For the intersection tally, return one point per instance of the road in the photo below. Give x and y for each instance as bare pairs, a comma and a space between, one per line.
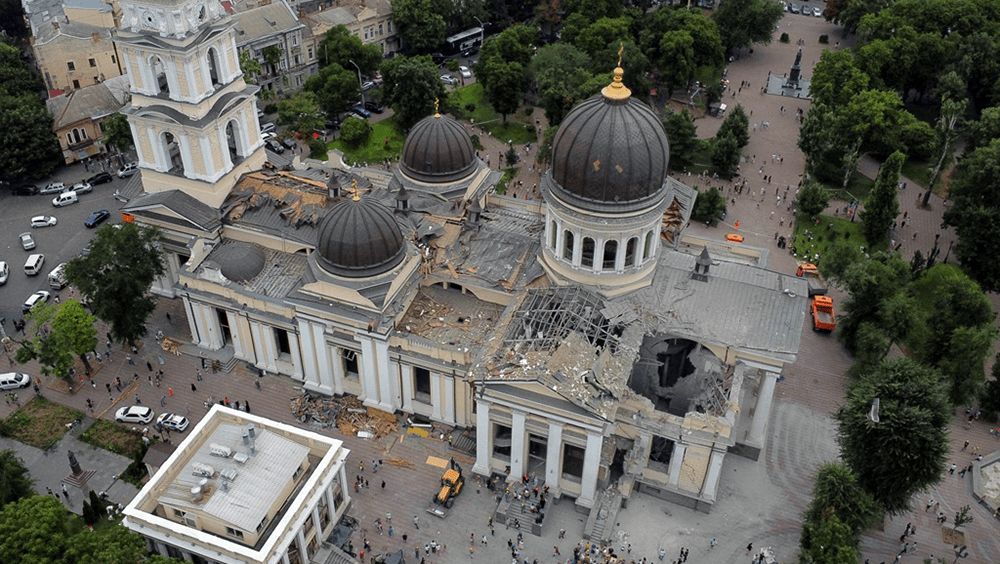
59, 243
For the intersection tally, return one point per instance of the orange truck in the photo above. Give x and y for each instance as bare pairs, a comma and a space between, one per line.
824, 316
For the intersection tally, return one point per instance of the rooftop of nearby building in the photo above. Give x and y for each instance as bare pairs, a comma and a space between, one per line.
89, 102
264, 21
47, 19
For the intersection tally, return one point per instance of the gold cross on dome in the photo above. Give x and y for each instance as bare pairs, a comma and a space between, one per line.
621, 50
357, 192
436, 112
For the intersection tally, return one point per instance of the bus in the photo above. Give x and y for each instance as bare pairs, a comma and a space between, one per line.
471, 38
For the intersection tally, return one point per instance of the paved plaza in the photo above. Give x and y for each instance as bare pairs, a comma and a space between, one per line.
761, 503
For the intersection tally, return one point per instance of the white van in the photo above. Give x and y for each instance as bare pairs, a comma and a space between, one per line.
4, 272
65, 199
34, 265
57, 278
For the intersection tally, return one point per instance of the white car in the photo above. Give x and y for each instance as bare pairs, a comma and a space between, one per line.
134, 414
40, 296
4, 272
448, 79
368, 85
83, 188
818, 12
27, 242
465, 72
53, 188
173, 422
128, 170
14, 380
268, 135
43, 221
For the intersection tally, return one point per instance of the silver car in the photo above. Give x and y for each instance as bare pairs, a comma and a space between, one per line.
134, 414
14, 380
43, 221
27, 243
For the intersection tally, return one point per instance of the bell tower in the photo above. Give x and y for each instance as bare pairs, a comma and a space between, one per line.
193, 118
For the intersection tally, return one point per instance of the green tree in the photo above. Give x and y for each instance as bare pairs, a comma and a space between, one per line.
681, 132
989, 397
16, 78
830, 542
12, 19
838, 492
745, 22
117, 133
114, 544
340, 46
599, 34
74, 328
709, 206
975, 213
28, 148
272, 56
956, 331
354, 132
301, 112
725, 155
881, 206
986, 129
42, 344
904, 452
505, 87
420, 25
558, 71
116, 275
840, 255
837, 79
677, 47
34, 530
825, 141
15, 482
870, 284
335, 87
812, 199
736, 124
250, 66
410, 86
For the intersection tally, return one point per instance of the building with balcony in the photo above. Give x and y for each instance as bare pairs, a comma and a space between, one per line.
78, 114
273, 35
242, 489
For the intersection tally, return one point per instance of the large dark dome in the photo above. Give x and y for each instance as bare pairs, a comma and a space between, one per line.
610, 151
359, 238
239, 261
438, 149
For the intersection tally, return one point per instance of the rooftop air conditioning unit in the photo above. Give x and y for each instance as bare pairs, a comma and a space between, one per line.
241, 457
220, 450
200, 469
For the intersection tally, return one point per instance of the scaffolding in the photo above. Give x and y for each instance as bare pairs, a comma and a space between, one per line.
548, 315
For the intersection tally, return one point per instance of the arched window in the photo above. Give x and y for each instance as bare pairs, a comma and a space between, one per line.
587, 257
610, 255
630, 251
172, 151
234, 142
568, 245
553, 234
647, 249
159, 71
214, 66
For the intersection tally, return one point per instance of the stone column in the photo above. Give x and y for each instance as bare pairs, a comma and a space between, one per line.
330, 508
317, 524
676, 460
483, 435
344, 491
762, 411
406, 375
435, 396
338, 370
369, 380
591, 464
195, 330
387, 391
284, 558
325, 373
295, 346
553, 457
449, 399
517, 445
234, 329
712, 476
300, 539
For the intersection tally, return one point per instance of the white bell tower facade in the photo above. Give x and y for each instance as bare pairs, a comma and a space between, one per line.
193, 118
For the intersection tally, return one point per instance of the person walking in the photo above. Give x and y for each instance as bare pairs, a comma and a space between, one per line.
65, 492
416, 522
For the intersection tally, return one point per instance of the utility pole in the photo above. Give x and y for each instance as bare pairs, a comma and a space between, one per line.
360, 84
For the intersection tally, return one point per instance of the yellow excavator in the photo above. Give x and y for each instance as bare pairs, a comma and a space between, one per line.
452, 482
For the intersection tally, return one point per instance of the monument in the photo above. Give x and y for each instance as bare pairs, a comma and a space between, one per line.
78, 476
792, 83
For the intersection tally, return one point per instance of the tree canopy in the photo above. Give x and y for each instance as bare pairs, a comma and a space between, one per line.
43, 344
116, 132
882, 205
421, 23
335, 87
559, 72
301, 112
745, 22
28, 149
15, 483
340, 46
682, 134
115, 277
905, 451
812, 199
410, 86
975, 213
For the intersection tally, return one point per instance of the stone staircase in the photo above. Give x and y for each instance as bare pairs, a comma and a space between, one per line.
226, 356
510, 511
600, 523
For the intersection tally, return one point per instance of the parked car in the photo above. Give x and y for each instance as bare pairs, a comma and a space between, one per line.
360, 111
65, 199
96, 218
373, 107
25, 190
134, 414
368, 85
83, 188
128, 170
100, 178
273, 145
14, 380
4, 272
43, 221
268, 128
448, 79
53, 188
793, 8
818, 12
173, 422
266, 136
289, 142
27, 242
39, 297
465, 72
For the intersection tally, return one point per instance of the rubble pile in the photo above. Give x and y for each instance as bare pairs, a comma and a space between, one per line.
349, 415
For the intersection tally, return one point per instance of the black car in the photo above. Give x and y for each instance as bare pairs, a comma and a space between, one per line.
96, 218
373, 107
100, 178
25, 190
289, 142
274, 146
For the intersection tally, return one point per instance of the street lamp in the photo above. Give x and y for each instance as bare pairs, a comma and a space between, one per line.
360, 84
482, 30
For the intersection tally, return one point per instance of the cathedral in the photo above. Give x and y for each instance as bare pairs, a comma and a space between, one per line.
583, 339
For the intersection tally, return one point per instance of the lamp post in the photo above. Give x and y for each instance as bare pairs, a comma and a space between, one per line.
360, 84
482, 30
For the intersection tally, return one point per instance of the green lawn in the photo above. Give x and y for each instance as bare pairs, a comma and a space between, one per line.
858, 187
114, 437
385, 142
39, 423
918, 171
518, 127
508, 174
811, 238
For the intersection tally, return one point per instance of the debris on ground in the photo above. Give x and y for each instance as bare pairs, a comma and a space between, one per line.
320, 410
171, 346
400, 462
348, 413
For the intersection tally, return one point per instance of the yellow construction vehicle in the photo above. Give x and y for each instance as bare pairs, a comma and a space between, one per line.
451, 485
